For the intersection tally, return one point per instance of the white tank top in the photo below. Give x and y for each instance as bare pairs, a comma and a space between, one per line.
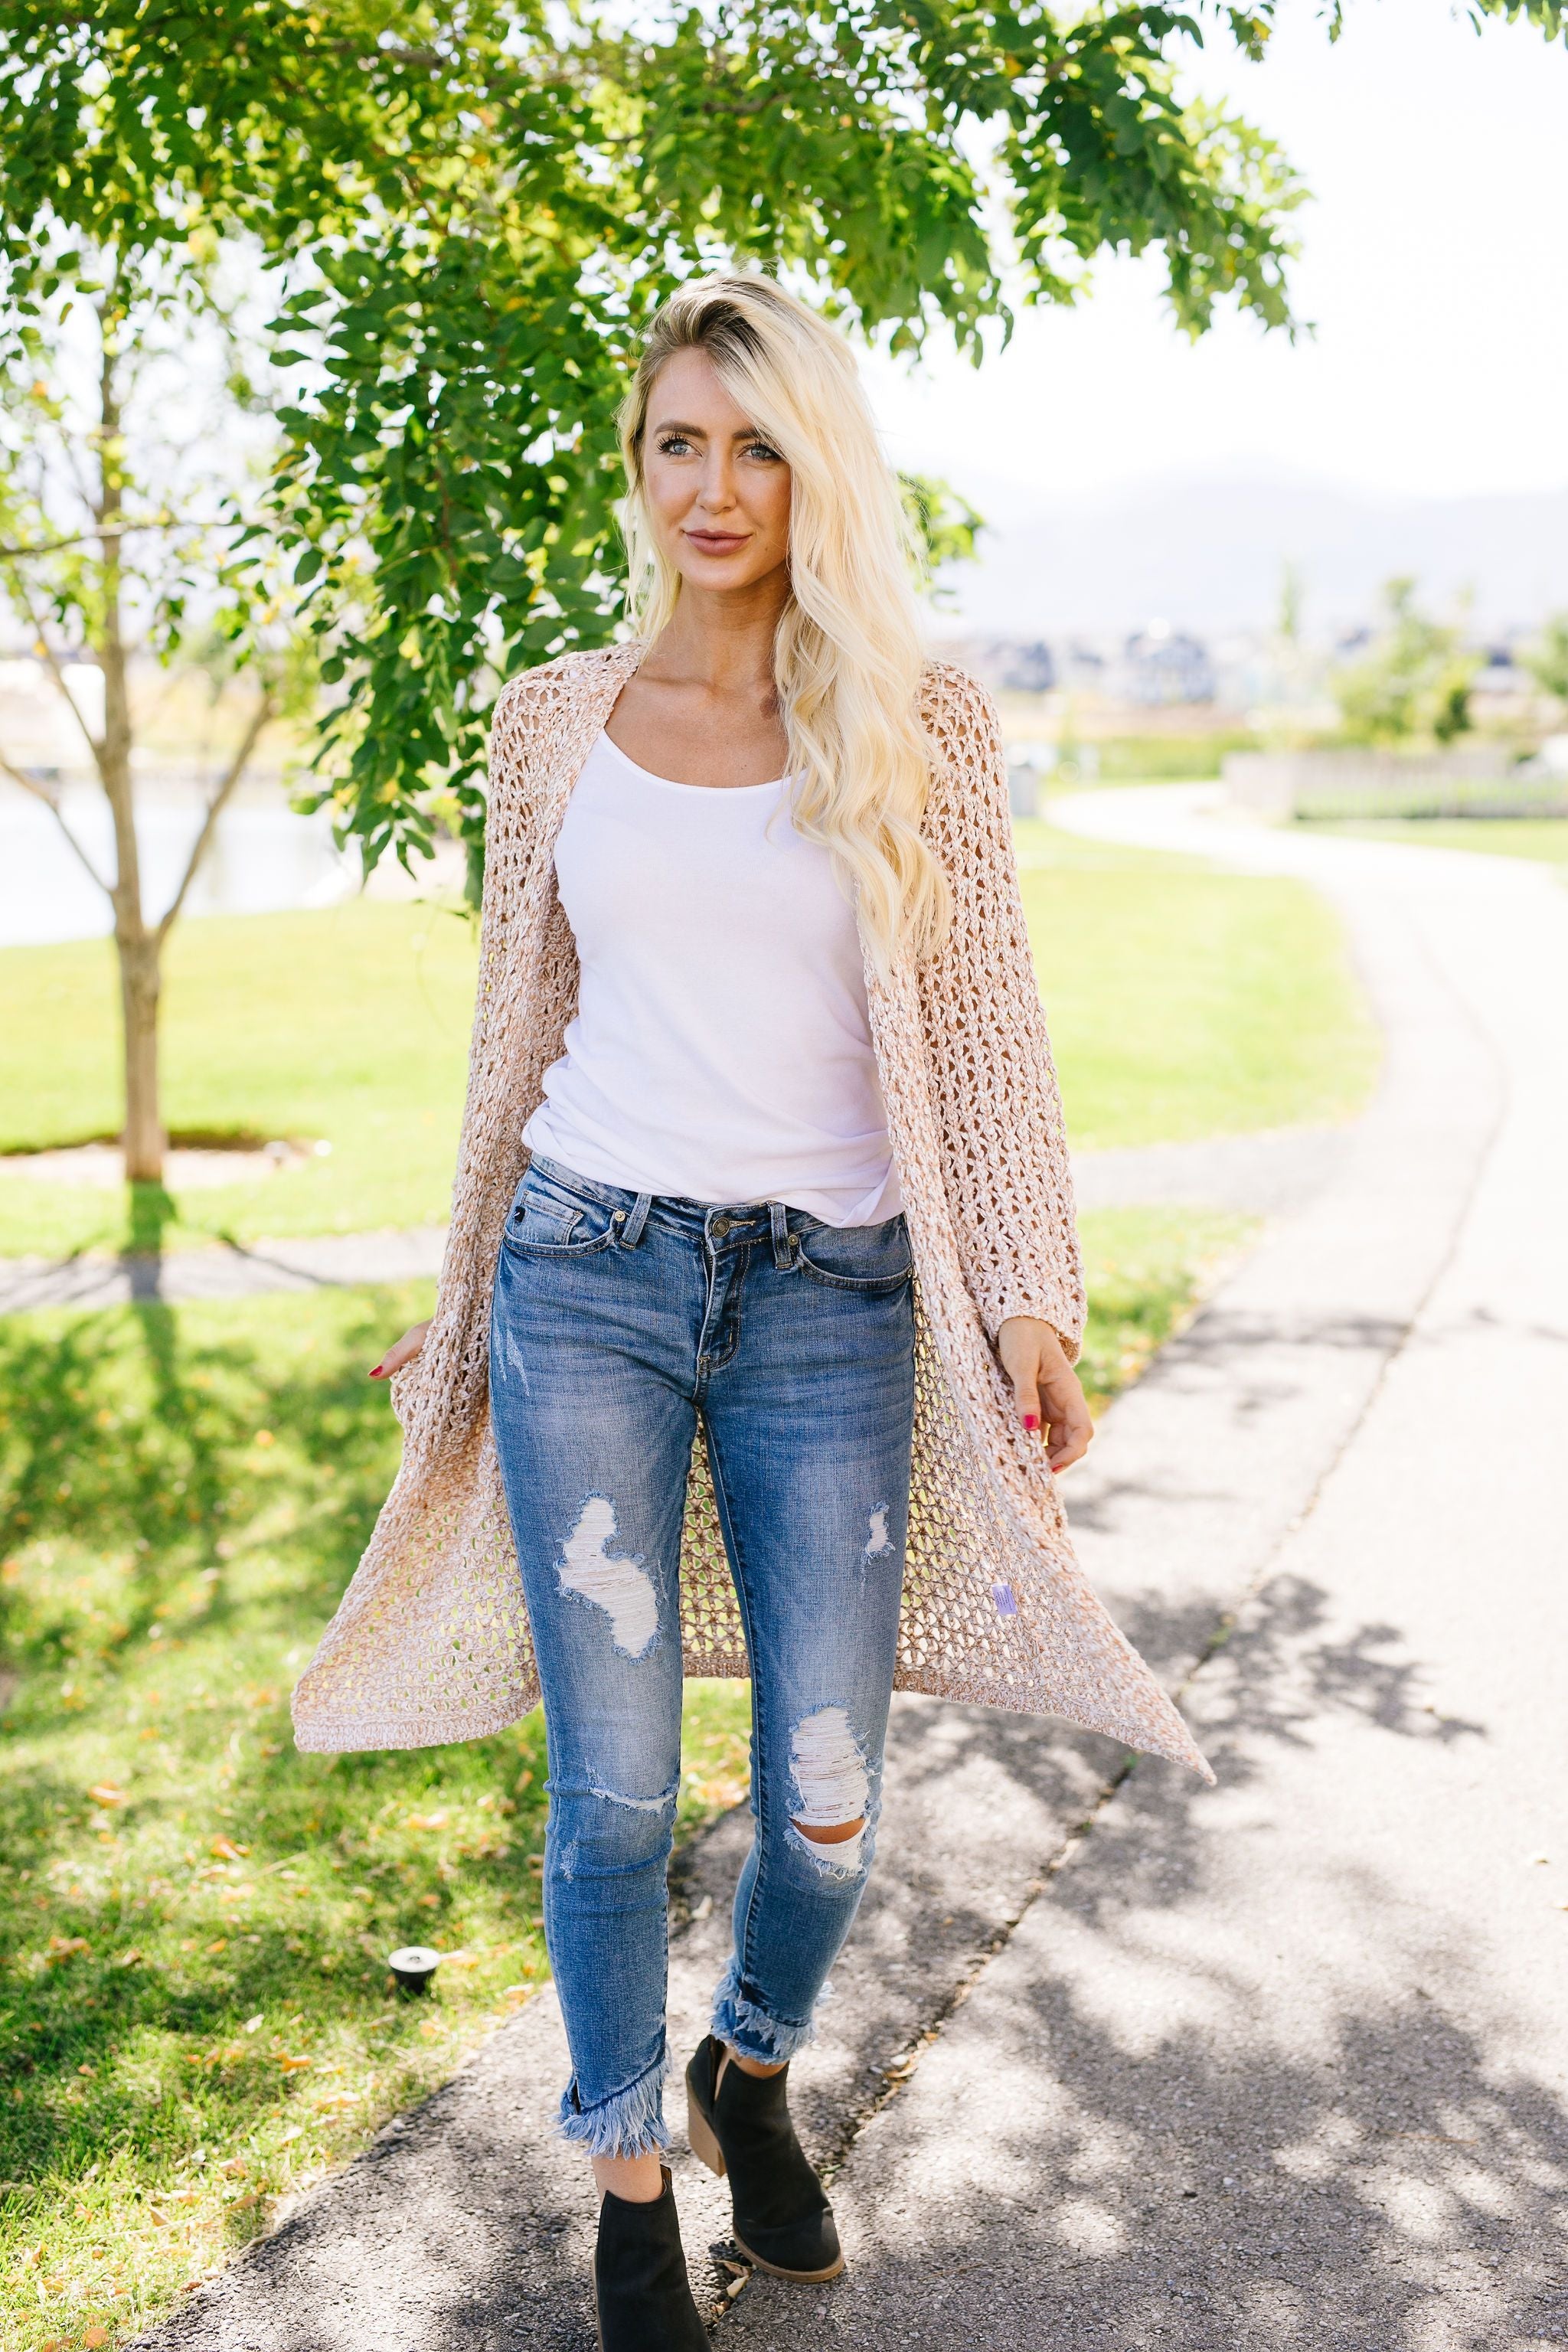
721, 1050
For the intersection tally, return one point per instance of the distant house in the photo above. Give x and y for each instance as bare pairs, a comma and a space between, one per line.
1500, 683
1008, 664
1029, 669
1162, 665
1083, 665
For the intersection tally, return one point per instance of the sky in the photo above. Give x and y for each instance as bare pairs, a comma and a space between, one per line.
1434, 268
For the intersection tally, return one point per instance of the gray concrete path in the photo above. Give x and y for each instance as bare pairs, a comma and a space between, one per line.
227, 1270
1115, 2060
1268, 1175
1286, 2063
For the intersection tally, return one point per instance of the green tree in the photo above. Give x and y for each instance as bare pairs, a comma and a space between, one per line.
1291, 592
468, 211
462, 214
121, 413
1547, 658
157, 165
1415, 683
945, 527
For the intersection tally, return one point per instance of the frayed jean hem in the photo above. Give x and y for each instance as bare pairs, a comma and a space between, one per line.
629, 2123
749, 2029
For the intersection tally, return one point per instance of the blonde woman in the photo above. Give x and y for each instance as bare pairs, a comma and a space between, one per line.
762, 1193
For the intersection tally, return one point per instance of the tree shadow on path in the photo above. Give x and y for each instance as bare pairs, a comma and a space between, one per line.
1131, 2140
1217, 2099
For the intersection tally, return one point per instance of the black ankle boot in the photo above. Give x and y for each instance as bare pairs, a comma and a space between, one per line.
641, 2291
739, 2124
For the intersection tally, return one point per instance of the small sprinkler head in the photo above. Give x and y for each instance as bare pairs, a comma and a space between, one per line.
414, 1965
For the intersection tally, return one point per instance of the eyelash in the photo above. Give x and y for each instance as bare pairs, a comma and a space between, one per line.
674, 443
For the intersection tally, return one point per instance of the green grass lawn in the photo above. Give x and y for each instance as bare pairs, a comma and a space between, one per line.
1544, 837
195, 2017
1182, 1002
348, 1025
1169, 759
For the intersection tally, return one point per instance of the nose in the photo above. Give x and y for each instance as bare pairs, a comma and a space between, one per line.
716, 489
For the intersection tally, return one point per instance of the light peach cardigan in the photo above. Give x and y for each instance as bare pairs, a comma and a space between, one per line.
430, 1642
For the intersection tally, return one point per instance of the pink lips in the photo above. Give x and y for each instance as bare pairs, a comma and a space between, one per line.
717, 542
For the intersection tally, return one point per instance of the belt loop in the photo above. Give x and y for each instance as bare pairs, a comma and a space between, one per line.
632, 1231
783, 1240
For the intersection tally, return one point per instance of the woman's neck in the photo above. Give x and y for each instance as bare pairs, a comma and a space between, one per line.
722, 643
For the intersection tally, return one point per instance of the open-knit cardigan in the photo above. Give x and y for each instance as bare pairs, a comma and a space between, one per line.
431, 1641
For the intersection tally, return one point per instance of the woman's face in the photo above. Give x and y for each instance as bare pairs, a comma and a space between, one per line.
717, 493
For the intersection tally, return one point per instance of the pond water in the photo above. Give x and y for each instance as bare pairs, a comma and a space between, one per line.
262, 857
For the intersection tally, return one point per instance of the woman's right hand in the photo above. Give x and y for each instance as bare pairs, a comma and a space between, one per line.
402, 1352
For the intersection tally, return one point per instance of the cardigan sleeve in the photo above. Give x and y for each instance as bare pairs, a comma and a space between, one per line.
996, 1097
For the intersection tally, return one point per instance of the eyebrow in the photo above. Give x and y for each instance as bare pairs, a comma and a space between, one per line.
699, 432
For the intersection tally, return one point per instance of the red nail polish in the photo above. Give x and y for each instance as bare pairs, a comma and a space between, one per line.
1031, 1421
377, 1373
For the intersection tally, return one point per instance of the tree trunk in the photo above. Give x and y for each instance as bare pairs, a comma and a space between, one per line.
140, 984
138, 946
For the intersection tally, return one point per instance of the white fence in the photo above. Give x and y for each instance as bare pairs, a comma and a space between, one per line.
1479, 780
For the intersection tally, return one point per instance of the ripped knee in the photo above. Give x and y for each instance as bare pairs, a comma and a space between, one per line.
663, 1803
833, 1833
833, 1783
596, 1829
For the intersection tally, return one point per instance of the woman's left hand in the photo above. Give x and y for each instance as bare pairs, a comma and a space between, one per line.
1045, 1388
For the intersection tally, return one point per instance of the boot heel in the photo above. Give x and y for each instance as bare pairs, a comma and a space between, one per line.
703, 2144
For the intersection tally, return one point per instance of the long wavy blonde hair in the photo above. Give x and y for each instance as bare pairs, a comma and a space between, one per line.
848, 655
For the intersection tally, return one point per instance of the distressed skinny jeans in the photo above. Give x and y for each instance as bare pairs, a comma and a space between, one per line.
621, 1320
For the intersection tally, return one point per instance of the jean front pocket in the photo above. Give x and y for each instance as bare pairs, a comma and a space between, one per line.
874, 1259
548, 1220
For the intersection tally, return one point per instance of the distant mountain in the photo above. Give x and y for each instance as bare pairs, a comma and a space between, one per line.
1210, 555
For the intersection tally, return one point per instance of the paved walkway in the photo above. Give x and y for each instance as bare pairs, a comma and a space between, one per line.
229, 1270
1116, 2061
1286, 2064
